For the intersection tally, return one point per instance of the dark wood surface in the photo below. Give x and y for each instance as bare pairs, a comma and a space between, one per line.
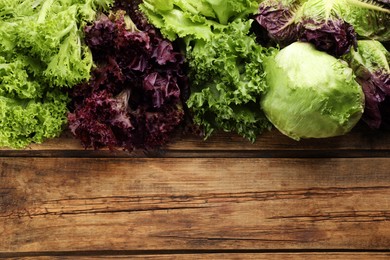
224, 198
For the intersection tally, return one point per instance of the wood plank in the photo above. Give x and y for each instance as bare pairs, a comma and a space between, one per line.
71, 204
360, 138
222, 256
362, 142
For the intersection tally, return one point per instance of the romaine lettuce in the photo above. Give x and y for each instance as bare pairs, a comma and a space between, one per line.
370, 62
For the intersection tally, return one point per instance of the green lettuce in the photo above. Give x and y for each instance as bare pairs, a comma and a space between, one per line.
311, 94
196, 18
41, 52
25, 121
369, 19
51, 33
225, 62
227, 81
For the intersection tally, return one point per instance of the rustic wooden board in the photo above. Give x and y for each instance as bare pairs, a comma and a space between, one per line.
216, 256
362, 142
83, 204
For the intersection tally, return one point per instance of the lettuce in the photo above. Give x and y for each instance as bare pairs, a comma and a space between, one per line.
52, 34
321, 23
228, 79
135, 97
277, 18
311, 94
225, 62
370, 62
183, 18
25, 121
332, 26
41, 52
369, 18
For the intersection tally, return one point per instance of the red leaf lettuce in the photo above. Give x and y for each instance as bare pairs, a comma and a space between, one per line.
135, 96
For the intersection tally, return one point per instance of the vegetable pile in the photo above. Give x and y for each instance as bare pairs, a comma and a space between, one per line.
225, 62
228, 79
41, 52
350, 30
131, 74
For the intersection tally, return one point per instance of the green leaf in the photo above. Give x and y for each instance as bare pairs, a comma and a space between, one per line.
369, 19
228, 80
196, 19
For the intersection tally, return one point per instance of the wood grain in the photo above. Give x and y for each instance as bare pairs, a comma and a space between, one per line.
361, 142
216, 256
83, 204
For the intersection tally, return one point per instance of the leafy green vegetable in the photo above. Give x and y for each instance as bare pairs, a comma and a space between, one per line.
227, 81
320, 22
50, 32
315, 21
369, 19
370, 56
225, 62
370, 62
23, 121
196, 18
41, 51
311, 94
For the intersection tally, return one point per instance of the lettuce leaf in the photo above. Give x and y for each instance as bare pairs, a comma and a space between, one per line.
41, 52
25, 121
370, 62
228, 79
183, 18
369, 18
332, 26
134, 98
311, 94
278, 19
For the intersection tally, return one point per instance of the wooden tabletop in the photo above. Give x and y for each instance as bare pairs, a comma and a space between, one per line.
223, 198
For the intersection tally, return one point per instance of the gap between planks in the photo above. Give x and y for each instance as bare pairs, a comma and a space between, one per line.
205, 254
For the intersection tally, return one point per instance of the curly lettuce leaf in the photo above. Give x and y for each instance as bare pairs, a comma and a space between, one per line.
25, 121
228, 79
41, 51
16, 82
52, 33
134, 98
182, 18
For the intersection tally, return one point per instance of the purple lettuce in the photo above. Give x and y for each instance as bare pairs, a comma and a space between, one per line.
335, 37
307, 21
277, 18
134, 98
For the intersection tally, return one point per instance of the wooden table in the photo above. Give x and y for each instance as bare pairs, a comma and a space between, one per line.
221, 199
